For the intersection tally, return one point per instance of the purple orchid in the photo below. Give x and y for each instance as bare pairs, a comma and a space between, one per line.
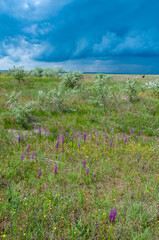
112, 215
84, 163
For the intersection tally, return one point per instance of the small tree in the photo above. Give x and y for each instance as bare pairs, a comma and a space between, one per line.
17, 72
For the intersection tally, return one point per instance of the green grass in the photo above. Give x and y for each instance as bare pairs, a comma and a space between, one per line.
66, 205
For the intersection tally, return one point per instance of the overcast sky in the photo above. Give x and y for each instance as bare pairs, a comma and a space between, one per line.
114, 36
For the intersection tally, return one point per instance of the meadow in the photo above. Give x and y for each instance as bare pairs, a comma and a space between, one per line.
79, 161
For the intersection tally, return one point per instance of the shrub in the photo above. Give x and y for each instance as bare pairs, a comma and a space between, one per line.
50, 72
131, 89
154, 86
18, 73
51, 101
20, 113
36, 72
72, 80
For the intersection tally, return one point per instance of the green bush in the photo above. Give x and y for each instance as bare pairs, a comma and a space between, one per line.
72, 80
18, 73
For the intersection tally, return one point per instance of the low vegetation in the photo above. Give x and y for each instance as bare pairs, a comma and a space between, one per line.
78, 156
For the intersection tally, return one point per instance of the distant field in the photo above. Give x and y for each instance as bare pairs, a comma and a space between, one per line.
79, 163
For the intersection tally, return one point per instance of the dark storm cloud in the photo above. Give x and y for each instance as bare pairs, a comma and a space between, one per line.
81, 29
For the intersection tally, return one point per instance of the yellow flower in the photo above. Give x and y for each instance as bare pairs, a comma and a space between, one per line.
4, 236
55, 228
24, 234
44, 216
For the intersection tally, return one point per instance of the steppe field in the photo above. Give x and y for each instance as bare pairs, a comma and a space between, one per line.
79, 157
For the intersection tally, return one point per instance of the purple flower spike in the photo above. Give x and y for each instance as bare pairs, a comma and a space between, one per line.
27, 154
28, 147
79, 145
125, 141
22, 138
105, 140
22, 157
56, 123
55, 170
111, 143
132, 132
148, 139
84, 163
96, 224
40, 173
39, 130
140, 132
7, 104
87, 172
33, 155
62, 140
108, 115
57, 145
62, 150
97, 143
112, 215
84, 137
19, 138
67, 134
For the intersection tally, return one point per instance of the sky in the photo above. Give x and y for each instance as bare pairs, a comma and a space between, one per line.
111, 36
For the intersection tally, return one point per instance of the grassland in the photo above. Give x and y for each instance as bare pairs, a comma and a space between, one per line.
65, 169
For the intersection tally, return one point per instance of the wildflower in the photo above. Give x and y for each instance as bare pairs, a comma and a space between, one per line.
22, 157
87, 172
84, 137
62, 140
111, 143
57, 145
22, 138
112, 215
39, 130
40, 173
19, 138
105, 140
84, 163
27, 154
96, 224
56, 123
140, 132
55, 170
125, 139
97, 143
7, 104
108, 115
28, 147
148, 139
79, 145
132, 132
67, 134
33, 155
62, 150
